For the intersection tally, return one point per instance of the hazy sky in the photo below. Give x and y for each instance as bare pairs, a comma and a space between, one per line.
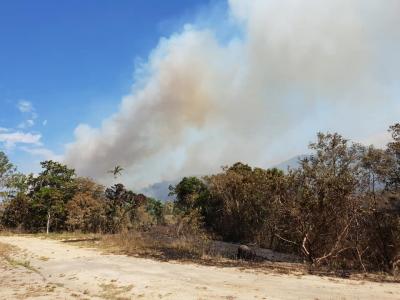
170, 88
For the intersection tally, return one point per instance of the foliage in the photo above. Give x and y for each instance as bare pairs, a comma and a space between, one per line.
17, 212
7, 171
120, 207
340, 208
325, 203
86, 210
190, 192
394, 151
155, 208
50, 191
243, 203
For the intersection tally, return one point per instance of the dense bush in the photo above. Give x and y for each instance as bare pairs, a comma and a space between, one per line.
340, 208
57, 200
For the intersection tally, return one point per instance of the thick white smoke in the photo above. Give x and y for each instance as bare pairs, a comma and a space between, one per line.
199, 102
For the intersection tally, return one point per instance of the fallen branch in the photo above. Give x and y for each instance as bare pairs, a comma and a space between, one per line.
81, 240
286, 240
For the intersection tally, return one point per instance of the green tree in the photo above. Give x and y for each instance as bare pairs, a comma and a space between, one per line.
120, 207
244, 202
156, 209
189, 193
13, 200
50, 191
7, 169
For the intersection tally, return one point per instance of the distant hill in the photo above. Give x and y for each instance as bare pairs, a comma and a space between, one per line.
159, 190
291, 163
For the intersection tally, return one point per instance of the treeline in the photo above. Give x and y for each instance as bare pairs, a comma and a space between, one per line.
57, 200
339, 208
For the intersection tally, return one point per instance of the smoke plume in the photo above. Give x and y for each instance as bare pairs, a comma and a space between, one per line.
287, 69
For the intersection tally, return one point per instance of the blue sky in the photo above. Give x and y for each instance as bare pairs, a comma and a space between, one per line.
73, 60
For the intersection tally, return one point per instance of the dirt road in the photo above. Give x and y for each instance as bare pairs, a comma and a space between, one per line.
47, 269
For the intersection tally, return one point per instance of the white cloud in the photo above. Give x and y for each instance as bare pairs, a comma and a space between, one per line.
29, 112
199, 103
10, 139
25, 106
26, 124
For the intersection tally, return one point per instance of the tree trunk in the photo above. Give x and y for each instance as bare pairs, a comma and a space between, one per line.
48, 222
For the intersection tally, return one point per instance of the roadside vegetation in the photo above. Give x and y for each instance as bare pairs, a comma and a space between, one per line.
339, 210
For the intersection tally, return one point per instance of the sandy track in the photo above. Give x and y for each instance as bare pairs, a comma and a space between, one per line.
68, 272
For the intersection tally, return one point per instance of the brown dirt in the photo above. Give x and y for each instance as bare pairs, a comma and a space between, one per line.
50, 269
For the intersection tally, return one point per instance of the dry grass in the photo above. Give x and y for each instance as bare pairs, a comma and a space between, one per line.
7, 252
66, 236
162, 243
4, 232
156, 244
112, 291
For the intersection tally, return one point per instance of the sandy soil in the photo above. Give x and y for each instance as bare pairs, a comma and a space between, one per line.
56, 270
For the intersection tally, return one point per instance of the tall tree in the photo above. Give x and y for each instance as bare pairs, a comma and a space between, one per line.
189, 193
243, 203
394, 150
7, 169
325, 199
86, 210
50, 191
117, 171
120, 206
376, 165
